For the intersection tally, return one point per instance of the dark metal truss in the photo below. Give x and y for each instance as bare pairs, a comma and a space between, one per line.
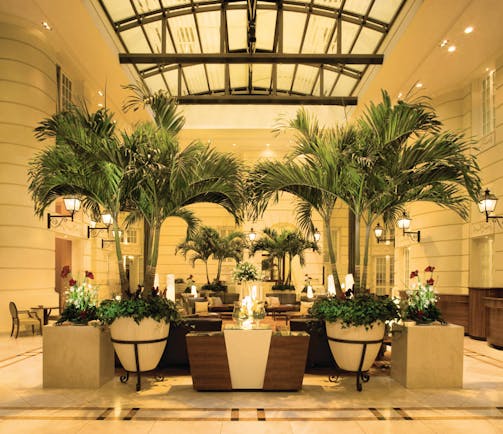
335, 63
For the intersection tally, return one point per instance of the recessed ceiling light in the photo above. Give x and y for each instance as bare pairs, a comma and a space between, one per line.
233, 144
451, 49
468, 30
267, 144
419, 85
400, 95
443, 43
100, 105
100, 93
46, 25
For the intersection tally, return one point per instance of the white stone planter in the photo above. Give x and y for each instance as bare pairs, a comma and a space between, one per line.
126, 329
348, 355
77, 357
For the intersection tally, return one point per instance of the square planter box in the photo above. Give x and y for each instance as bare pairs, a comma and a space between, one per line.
428, 356
77, 357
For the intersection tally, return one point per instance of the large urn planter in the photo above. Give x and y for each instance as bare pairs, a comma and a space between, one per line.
355, 348
139, 346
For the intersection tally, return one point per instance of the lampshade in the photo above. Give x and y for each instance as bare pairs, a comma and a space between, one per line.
404, 222
349, 280
72, 204
107, 219
378, 230
252, 235
317, 235
488, 202
331, 285
310, 291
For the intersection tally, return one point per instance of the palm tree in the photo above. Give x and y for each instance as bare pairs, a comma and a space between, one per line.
228, 246
200, 245
402, 156
168, 179
296, 246
315, 173
85, 160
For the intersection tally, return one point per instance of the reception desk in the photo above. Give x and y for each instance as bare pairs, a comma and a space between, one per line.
247, 359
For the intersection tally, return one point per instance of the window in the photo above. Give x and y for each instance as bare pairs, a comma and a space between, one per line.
488, 103
64, 90
129, 236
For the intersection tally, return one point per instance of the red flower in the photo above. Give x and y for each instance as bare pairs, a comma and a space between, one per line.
72, 282
429, 269
414, 274
65, 271
89, 274
430, 281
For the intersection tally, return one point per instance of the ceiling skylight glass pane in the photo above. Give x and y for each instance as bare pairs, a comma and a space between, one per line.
171, 3
348, 34
292, 39
266, 23
367, 41
209, 27
119, 10
304, 79
329, 80
153, 31
285, 73
359, 7
196, 78
344, 86
384, 10
172, 80
183, 29
144, 6
238, 75
318, 33
216, 76
262, 76
135, 40
155, 83
329, 3
236, 28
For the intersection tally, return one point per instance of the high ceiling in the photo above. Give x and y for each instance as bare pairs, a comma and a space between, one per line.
254, 51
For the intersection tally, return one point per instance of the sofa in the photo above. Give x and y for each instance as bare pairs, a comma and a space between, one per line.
284, 297
227, 298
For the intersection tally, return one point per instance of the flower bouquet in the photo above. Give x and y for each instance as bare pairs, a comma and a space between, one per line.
421, 300
244, 272
81, 299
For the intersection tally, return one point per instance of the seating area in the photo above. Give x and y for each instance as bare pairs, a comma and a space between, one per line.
24, 318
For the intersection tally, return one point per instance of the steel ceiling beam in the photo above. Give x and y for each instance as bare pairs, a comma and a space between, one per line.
246, 58
267, 99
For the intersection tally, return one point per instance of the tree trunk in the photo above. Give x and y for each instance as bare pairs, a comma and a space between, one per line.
120, 263
363, 285
151, 258
289, 276
207, 272
219, 269
331, 255
357, 288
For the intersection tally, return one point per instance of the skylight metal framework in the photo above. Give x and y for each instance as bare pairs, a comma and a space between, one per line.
253, 51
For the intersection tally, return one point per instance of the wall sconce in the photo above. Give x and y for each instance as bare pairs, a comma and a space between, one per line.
404, 223
107, 220
252, 235
72, 205
378, 232
316, 235
487, 205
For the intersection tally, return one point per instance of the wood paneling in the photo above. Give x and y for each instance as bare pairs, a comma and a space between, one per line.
286, 362
454, 308
494, 324
477, 328
208, 362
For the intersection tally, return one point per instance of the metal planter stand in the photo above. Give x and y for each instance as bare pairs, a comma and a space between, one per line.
361, 376
125, 378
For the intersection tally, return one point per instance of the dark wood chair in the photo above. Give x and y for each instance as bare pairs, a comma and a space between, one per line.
23, 317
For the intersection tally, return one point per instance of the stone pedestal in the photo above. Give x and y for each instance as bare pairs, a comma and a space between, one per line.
428, 356
77, 357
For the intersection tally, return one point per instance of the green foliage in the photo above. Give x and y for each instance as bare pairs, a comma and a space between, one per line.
214, 287
76, 315
245, 271
154, 307
283, 287
363, 310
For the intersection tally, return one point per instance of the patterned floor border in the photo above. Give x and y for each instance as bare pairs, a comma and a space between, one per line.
251, 414
4, 363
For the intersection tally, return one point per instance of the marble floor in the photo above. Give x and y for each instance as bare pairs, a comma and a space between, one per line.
172, 406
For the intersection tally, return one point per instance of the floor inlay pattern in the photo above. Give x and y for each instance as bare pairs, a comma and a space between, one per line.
20, 357
251, 414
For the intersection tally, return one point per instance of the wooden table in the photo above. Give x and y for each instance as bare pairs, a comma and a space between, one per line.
214, 365
47, 311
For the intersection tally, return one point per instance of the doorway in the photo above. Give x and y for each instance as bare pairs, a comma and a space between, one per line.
63, 256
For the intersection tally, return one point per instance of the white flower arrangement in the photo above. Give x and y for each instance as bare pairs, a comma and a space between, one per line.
244, 272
